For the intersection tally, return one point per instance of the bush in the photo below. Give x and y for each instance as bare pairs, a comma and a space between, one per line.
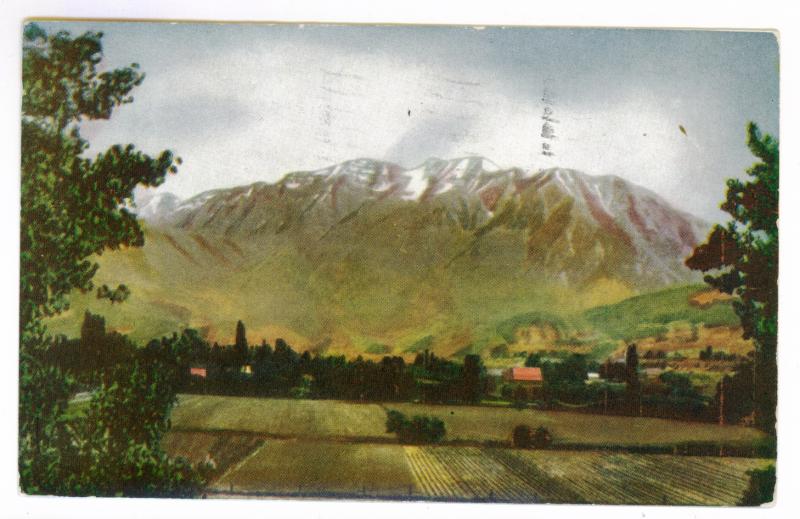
761, 489
542, 438
420, 429
522, 437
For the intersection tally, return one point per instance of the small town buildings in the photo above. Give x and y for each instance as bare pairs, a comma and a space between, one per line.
525, 376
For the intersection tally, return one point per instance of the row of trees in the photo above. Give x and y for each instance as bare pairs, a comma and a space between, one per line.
264, 370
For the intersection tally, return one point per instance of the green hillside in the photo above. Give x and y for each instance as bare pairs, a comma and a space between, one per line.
648, 314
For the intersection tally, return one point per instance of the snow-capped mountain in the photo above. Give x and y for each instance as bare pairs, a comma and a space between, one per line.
571, 225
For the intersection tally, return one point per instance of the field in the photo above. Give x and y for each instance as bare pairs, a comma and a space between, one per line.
274, 447
512, 475
325, 419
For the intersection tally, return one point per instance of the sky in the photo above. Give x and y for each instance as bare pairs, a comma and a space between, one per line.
241, 103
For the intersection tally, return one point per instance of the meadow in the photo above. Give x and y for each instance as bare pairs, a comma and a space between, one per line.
326, 419
317, 448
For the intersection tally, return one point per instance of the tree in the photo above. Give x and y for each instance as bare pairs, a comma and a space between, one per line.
472, 379
744, 255
522, 436
761, 487
72, 208
240, 346
734, 394
633, 386
541, 438
420, 429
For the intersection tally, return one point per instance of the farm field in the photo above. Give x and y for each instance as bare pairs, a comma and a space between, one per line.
318, 448
326, 419
511, 475
457, 473
316, 467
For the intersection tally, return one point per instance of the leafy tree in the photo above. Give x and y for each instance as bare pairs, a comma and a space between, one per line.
521, 436
735, 394
72, 208
420, 429
117, 295
533, 360
121, 452
744, 253
541, 438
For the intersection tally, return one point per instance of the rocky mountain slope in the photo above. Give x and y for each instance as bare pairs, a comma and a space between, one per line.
576, 227
366, 252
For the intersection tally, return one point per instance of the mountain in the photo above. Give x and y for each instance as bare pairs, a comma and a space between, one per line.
156, 207
367, 253
577, 226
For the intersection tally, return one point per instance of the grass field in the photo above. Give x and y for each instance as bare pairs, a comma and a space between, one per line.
325, 419
281, 447
289, 466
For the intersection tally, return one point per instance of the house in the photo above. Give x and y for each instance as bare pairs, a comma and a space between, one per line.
495, 372
526, 376
198, 372
653, 372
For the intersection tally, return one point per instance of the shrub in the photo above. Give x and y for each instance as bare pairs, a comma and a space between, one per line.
761, 488
521, 437
541, 438
420, 429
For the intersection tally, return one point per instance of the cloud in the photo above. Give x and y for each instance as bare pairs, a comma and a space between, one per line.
241, 103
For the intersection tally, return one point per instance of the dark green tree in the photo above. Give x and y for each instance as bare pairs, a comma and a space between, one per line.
761, 488
240, 347
73, 208
744, 256
472, 379
521, 436
633, 386
93, 336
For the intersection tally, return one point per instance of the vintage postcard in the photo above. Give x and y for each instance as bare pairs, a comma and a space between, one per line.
399, 262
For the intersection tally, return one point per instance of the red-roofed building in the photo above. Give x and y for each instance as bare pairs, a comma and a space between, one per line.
200, 372
532, 376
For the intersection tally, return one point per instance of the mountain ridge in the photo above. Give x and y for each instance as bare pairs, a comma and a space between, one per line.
467, 192
365, 252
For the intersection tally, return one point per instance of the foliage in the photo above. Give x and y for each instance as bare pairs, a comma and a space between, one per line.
117, 295
72, 208
565, 380
240, 345
524, 437
761, 488
521, 436
675, 396
738, 393
633, 386
420, 429
473, 379
744, 253
541, 438
121, 452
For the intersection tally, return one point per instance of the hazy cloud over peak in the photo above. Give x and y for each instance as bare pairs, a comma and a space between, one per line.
241, 103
